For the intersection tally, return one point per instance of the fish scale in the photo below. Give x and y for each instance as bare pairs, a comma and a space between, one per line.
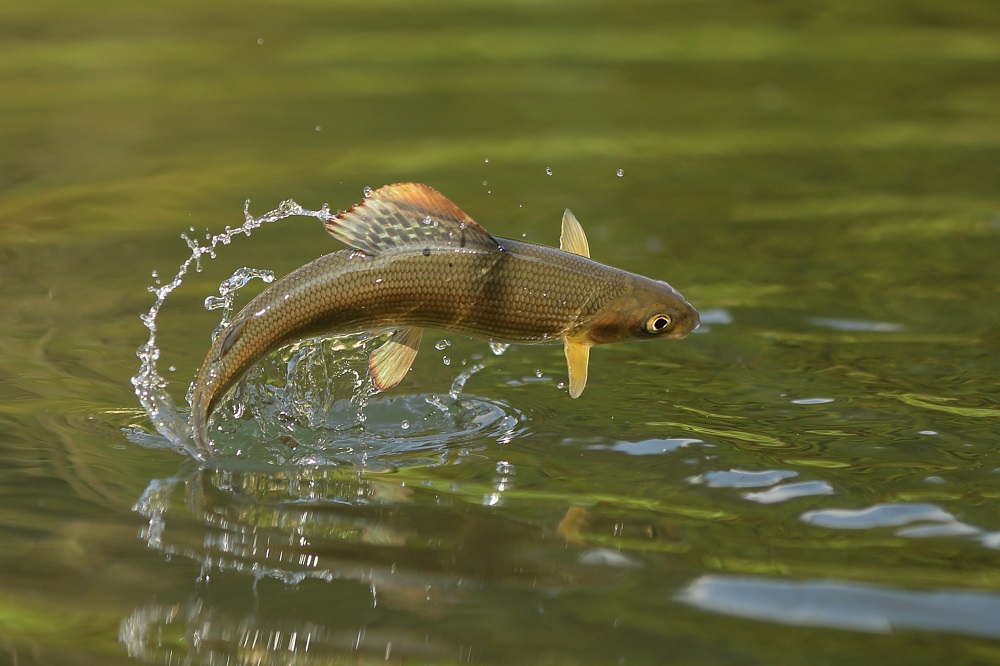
405, 274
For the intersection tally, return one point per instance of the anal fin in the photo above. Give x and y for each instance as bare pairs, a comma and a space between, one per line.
577, 360
389, 362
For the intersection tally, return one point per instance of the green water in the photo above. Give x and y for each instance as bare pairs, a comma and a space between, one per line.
814, 477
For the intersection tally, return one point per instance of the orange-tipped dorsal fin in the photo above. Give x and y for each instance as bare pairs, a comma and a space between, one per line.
409, 215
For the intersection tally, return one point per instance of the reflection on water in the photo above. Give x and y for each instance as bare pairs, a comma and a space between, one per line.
810, 478
291, 525
387, 532
845, 605
914, 520
194, 632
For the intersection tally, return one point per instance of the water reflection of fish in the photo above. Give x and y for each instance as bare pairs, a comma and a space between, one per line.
419, 261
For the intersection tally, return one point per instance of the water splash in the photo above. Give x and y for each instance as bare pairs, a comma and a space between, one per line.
294, 387
225, 300
459, 383
228, 289
150, 386
498, 348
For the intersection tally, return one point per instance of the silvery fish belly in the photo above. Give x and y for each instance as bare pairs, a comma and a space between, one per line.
416, 261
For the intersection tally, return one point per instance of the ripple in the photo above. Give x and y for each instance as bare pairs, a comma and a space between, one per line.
789, 491
608, 557
737, 478
711, 317
938, 530
880, 515
845, 605
394, 431
857, 325
812, 401
649, 447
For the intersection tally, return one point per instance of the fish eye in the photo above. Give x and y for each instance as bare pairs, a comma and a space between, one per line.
658, 323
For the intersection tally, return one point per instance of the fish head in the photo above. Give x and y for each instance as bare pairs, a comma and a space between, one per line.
651, 309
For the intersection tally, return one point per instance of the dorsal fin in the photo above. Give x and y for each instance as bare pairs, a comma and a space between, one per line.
408, 215
572, 239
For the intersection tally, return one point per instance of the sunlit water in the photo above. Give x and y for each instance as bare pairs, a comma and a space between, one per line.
811, 478
303, 436
306, 451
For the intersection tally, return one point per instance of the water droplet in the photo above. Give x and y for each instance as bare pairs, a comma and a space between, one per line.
441, 345
172, 368
538, 373
548, 171
459, 383
428, 221
485, 183
620, 173
215, 302
498, 348
368, 191
318, 127
405, 425
486, 160
260, 42
446, 360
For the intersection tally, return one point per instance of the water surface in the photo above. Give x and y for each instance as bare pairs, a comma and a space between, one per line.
811, 478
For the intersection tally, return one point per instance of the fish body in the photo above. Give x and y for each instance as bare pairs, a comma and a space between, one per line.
417, 261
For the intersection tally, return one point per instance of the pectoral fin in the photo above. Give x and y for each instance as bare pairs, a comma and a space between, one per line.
577, 359
388, 364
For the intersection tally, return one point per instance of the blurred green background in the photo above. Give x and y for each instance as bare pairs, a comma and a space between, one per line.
810, 479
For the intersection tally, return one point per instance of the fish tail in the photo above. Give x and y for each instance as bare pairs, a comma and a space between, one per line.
198, 423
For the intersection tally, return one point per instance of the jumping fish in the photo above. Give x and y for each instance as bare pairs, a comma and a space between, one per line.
416, 260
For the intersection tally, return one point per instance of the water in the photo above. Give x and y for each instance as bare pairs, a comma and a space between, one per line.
150, 386
811, 478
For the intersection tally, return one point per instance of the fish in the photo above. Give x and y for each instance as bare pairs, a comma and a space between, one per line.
415, 260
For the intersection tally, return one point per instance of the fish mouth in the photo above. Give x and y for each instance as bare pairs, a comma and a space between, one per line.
691, 322
690, 319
